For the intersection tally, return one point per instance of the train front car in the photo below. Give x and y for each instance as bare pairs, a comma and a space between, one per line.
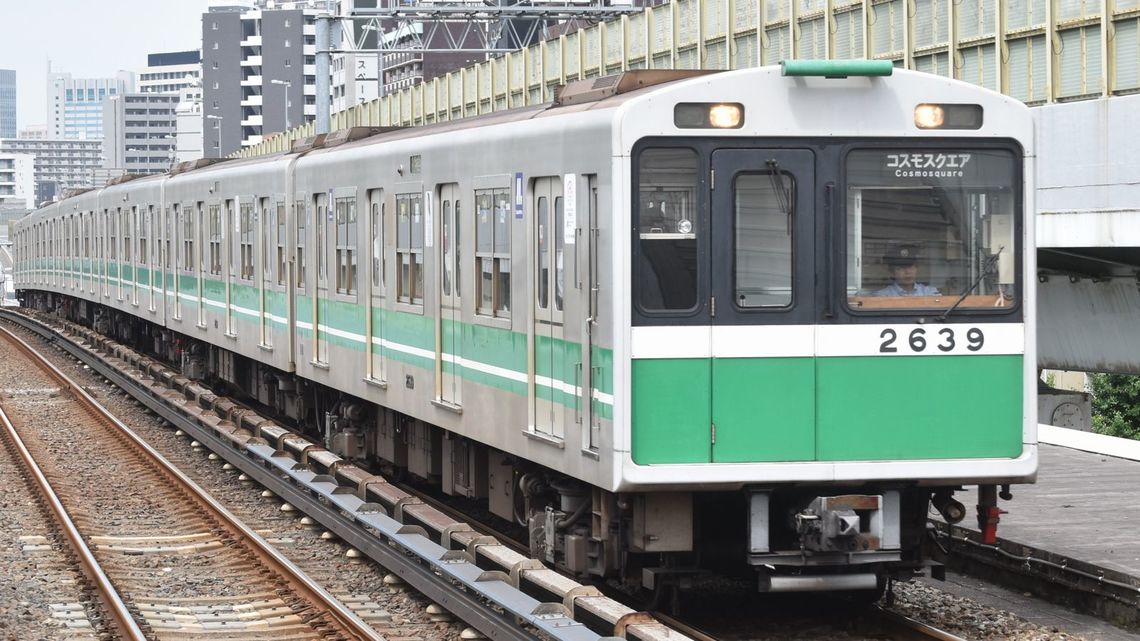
830, 311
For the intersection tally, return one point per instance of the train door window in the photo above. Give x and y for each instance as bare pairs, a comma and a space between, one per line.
409, 248
282, 256
215, 217
666, 271
493, 252
168, 242
245, 241
301, 212
377, 244
542, 215
762, 225
144, 230
457, 247
322, 251
559, 251
448, 255
265, 222
346, 239
128, 234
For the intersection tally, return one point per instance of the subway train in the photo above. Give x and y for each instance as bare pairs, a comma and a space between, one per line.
761, 323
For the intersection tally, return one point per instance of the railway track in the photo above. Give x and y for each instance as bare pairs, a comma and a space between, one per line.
422, 514
141, 529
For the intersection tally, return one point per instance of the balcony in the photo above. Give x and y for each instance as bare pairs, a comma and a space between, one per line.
252, 101
252, 81
251, 61
253, 120
251, 41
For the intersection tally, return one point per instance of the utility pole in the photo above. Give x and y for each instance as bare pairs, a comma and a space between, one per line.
323, 80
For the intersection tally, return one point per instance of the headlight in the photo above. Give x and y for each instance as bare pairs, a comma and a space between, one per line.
708, 115
943, 116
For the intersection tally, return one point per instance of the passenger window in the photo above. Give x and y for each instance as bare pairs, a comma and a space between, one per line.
409, 247
493, 252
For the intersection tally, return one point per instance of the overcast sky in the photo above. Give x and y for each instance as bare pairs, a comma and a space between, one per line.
90, 39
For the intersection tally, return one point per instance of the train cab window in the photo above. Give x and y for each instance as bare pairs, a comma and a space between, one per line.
665, 274
493, 252
932, 229
763, 239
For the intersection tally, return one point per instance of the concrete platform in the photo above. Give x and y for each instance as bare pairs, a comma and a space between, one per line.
1085, 505
1073, 536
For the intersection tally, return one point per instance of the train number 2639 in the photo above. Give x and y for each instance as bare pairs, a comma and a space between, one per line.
944, 340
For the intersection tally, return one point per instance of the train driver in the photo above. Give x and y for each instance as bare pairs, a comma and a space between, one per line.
901, 261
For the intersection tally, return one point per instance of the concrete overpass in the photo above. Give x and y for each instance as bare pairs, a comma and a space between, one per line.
1088, 235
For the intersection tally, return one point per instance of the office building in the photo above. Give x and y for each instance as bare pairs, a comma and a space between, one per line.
75, 105
7, 103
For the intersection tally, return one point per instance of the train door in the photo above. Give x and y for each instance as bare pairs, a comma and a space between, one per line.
550, 356
201, 260
448, 345
586, 269
375, 324
763, 305
320, 278
229, 230
263, 257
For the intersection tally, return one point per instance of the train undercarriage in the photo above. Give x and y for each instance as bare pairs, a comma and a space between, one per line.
785, 538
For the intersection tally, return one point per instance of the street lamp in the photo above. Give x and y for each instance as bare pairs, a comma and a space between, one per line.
217, 126
287, 85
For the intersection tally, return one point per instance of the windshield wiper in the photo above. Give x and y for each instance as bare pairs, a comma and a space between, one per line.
986, 270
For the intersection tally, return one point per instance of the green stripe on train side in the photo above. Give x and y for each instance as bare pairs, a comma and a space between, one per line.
826, 409
970, 407
763, 409
672, 411
492, 356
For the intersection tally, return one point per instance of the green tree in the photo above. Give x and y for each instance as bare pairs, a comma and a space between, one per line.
1116, 405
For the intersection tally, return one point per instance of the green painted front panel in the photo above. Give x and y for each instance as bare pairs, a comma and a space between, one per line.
919, 407
671, 411
763, 409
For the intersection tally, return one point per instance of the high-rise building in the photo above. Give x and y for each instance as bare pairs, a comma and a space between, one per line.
75, 105
258, 64
7, 103
139, 133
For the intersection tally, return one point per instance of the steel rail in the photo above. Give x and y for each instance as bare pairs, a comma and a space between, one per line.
500, 611
912, 629
113, 603
304, 586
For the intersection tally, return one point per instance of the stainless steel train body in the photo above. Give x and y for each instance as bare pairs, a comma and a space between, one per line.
647, 321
